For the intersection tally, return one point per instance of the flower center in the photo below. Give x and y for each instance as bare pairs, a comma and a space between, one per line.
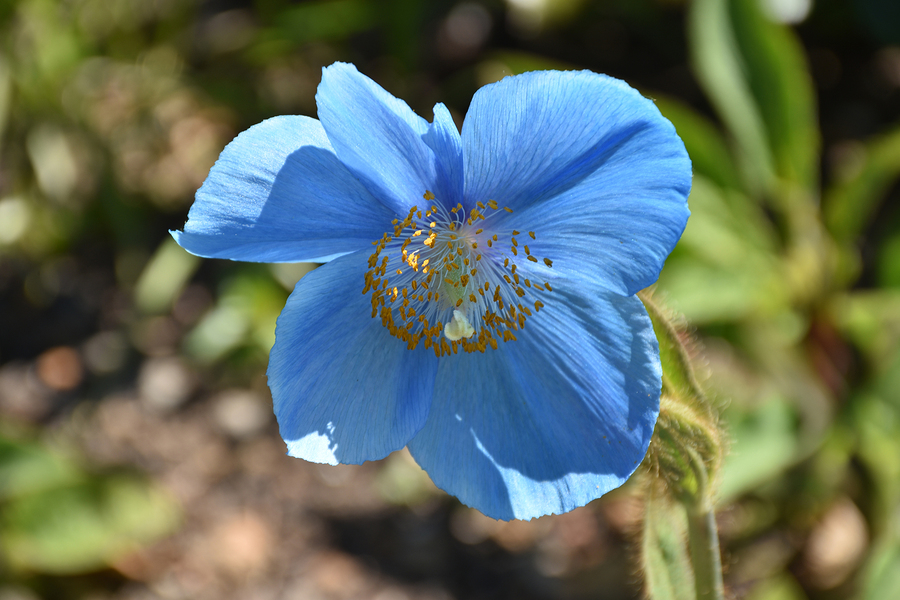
448, 281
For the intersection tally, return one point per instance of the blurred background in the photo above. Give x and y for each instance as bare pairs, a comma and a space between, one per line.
139, 458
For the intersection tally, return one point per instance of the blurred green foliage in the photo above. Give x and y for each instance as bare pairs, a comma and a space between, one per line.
60, 518
112, 112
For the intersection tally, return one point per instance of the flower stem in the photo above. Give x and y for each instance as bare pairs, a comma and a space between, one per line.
703, 536
703, 539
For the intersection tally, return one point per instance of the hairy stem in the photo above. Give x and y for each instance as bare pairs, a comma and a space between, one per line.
703, 536
703, 539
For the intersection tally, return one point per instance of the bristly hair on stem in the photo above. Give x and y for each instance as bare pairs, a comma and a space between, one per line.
681, 471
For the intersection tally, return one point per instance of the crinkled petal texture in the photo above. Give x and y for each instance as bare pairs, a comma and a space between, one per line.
344, 390
443, 139
588, 163
553, 420
278, 193
397, 153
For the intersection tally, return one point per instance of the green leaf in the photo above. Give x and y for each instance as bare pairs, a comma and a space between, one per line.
726, 265
84, 526
871, 320
755, 74
26, 468
877, 427
719, 65
668, 574
708, 294
764, 444
882, 575
780, 587
246, 312
851, 203
776, 71
164, 277
728, 230
308, 22
326, 20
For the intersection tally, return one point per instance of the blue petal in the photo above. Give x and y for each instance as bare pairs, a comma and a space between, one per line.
279, 194
588, 164
344, 390
607, 230
553, 420
376, 136
443, 138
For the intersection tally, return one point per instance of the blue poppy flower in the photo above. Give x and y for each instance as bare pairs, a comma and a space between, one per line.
477, 302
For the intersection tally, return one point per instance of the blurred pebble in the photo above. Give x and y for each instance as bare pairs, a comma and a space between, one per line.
470, 526
464, 31
156, 336
836, 545
241, 413
391, 594
337, 475
60, 368
22, 395
164, 384
338, 574
191, 304
888, 60
578, 528
241, 544
226, 31
303, 588
263, 456
577, 540
105, 352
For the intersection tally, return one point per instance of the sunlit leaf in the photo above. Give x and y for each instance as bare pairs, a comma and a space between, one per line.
164, 277
850, 204
84, 526
882, 574
877, 424
726, 265
776, 71
26, 468
781, 587
764, 445
871, 319
717, 60
246, 311
324, 20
